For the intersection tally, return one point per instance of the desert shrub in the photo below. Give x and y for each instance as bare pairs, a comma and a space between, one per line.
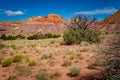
81, 29
111, 54
46, 55
3, 51
22, 70
96, 63
56, 36
69, 37
9, 37
72, 56
55, 74
6, 62
26, 58
20, 37
79, 56
74, 71
42, 75
32, 63
17, 58
15, 46
12, 77
4, 37
52, 42
84, 43
66, 63
33, 45
33, 37
48, 35
78, 36
42, 36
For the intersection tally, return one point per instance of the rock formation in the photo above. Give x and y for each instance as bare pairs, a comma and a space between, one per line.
51, 23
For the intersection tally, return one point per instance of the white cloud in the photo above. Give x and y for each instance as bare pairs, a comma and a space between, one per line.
13, 13
109, 10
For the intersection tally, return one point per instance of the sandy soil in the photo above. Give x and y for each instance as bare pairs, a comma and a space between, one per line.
60, 54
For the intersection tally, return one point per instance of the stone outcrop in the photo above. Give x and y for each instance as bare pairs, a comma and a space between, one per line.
51, 23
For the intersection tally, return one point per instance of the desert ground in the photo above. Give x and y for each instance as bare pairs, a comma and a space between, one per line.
51, 56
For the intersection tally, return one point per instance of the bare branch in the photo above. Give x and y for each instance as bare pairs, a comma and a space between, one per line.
82, 22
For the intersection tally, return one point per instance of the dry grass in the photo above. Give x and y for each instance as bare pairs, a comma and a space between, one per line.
48, 54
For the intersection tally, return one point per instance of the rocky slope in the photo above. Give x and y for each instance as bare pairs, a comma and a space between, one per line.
113, 19
111, 23
51, 23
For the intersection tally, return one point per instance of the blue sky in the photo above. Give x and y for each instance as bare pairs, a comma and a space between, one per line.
22, 9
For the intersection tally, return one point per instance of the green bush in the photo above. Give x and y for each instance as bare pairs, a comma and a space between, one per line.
56, 36
20, 37
33, 37
42, 36
6, 62
42, 75
78, 36
70, 37
17, 58
48, 35
9, 37
15, 46
74, 71
3, 37
32, 63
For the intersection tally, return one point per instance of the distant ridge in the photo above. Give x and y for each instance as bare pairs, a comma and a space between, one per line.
51, 18
113, 19
52, 23
110, 24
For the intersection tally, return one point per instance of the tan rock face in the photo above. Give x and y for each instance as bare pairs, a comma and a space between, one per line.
51, 18
37, 18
